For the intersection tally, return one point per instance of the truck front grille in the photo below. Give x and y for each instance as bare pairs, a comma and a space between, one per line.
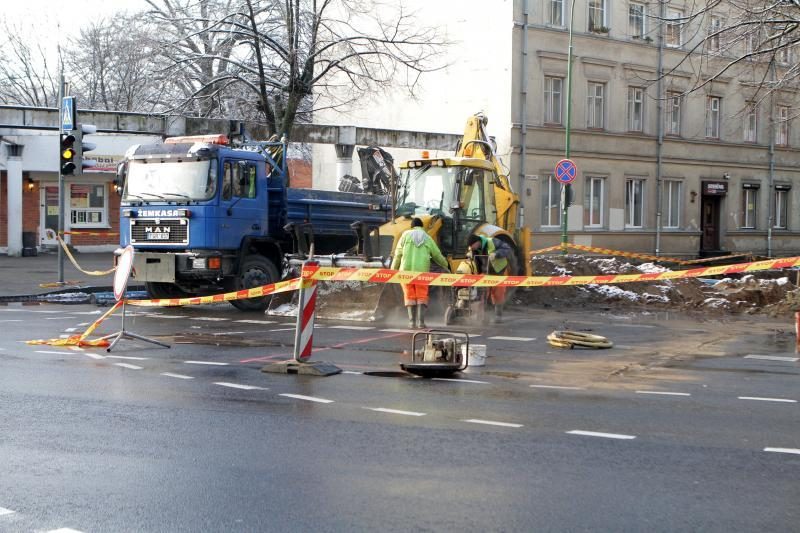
155, 231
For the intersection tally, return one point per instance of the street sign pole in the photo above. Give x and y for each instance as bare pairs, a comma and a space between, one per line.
565, 186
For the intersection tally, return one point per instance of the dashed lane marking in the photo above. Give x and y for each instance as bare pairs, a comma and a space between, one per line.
69, 330
94, 355
394, 411
772, 358
462, 380
492, 423
176, 376
354, 328
280, 329
255, 321
503, 338
662, 393
557, 387
129, 366
352, 372
211, 363
794, 451
238, 386
63, 530
128, 357
599, 434
11, 320
209, 318
228, 333
61, 318
756, 398
392, 330
90, 313
172, 316
634, 325
307, 398
4, 511
84, 324
53, 352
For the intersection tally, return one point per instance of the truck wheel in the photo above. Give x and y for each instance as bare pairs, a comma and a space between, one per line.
164, 291
254, 272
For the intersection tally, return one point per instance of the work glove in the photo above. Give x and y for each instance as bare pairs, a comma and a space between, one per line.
492, 256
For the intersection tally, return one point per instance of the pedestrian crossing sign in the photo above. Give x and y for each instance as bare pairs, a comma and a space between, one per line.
68, 113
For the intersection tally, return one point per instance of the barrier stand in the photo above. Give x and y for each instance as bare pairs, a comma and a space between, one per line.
120, 284
304, 332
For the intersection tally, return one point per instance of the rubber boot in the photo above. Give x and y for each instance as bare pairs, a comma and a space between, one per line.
421, 316
411, 315
498, 314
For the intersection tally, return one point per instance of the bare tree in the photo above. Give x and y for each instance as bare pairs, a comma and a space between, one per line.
279, 57
28, 74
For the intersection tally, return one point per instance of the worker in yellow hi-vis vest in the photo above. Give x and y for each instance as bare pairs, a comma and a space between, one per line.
496, 252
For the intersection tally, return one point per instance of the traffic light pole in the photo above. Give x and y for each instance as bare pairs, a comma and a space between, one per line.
60, 182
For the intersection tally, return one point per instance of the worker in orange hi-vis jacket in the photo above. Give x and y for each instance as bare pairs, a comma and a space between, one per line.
413, 254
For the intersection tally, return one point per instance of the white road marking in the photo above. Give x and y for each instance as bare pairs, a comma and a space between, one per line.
89, 313
126, 365
76, 349
492, 423
64, 530
178, 376
64, 336
351, 372
604, 435
209, 318
634, 326
462, 380
128, 357
560, 387
4, 511
281, 329
228, 333
69, 330
10, 320
355, 328
48, 312
213, 363
238, 386
772, 358
783, 450
94, 355
57, 353
784, 400
394, 330
308, 398
502, 338
663, 393
394, 411
84, 323
255, 321
172, 316
61, 318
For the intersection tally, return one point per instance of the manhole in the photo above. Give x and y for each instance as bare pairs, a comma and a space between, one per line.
389, 374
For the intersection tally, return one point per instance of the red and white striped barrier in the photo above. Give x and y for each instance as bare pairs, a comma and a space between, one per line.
307, 302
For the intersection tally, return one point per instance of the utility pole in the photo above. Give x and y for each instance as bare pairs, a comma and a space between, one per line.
565, 188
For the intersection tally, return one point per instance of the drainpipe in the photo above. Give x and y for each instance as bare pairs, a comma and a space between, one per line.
771, 155
524, 115
660, 124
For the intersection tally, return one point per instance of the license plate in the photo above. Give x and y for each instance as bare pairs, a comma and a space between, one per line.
158, 236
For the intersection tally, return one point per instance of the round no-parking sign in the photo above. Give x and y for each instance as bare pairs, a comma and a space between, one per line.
566, 171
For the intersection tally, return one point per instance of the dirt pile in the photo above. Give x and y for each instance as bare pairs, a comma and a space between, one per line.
748, 294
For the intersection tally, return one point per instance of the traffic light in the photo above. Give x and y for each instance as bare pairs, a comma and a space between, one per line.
69, 155
82, 146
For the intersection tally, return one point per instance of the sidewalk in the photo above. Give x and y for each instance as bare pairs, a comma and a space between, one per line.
21, 276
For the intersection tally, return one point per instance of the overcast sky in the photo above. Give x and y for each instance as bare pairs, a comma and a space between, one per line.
45, 16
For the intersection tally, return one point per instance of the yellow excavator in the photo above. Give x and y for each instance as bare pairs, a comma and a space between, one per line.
455, 197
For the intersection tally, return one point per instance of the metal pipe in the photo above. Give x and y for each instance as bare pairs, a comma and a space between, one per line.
660, 125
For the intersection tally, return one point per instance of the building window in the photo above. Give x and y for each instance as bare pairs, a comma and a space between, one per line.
552, 100
714, 27
634, 199
595, 107
555, 14
636, 19
713, 108
751, 123
672, 110
595, 199
88, 207
751, 43
749, 206
635, 109
782, 129
784, 54
672, 204
551, 202
781, 208
597, 15
673, 33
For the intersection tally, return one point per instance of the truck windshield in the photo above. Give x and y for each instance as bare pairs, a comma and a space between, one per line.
427, 190
170, 180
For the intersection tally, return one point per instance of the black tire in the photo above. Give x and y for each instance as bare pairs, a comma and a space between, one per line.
164, 291
255, 270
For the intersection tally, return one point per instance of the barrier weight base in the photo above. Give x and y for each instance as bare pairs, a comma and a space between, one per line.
316, 368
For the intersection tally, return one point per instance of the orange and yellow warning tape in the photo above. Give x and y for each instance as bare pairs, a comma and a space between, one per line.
255, 292
82, 339
77, 266
634, 255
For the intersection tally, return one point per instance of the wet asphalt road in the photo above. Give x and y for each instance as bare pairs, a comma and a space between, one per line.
685, 425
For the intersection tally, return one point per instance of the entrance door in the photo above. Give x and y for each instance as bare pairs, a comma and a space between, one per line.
710, 223
48, 215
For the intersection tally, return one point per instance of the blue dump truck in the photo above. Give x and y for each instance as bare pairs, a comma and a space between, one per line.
206, 217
